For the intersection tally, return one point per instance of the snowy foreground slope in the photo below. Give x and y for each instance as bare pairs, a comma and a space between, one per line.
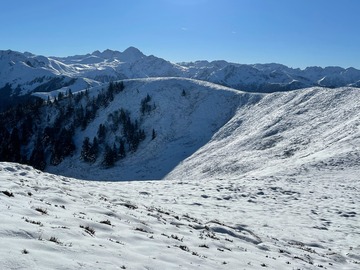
303, 222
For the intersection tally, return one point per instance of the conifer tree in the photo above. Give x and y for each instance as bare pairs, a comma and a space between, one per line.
101, 132
122, 151
86, 150
94, 150
14, 146
109, 157
37, 158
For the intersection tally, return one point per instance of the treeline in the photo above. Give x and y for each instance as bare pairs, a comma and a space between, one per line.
128, 139
42, 132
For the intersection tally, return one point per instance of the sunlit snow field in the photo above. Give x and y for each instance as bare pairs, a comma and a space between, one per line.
53, 222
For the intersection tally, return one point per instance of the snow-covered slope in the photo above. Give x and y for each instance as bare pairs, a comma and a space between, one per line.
185, 115
53, 222
292, 133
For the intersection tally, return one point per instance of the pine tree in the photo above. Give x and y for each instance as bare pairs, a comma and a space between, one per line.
119, 87
37, 158
26, 129
109, 157
63, 146
101, 132
60, 96
122, 151
94, 150
86, 150
145, 107
115, 152
14, 146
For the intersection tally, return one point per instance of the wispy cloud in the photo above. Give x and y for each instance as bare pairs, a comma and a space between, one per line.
184, 29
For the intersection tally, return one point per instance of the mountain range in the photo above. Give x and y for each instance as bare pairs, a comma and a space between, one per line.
22, 74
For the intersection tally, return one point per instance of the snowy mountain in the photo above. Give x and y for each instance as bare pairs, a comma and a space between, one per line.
22, 74
271, 77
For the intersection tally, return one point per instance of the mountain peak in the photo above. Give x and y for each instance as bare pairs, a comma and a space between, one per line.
132, 49
107, 54
96, 53
132, 54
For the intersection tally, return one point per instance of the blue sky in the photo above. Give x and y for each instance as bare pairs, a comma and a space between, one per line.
297, 33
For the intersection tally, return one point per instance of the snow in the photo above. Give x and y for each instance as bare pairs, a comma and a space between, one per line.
297, 222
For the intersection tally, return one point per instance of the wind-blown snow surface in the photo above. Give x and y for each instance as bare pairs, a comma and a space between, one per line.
53, 222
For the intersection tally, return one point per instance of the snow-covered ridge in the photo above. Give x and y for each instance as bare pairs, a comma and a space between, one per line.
296, 132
